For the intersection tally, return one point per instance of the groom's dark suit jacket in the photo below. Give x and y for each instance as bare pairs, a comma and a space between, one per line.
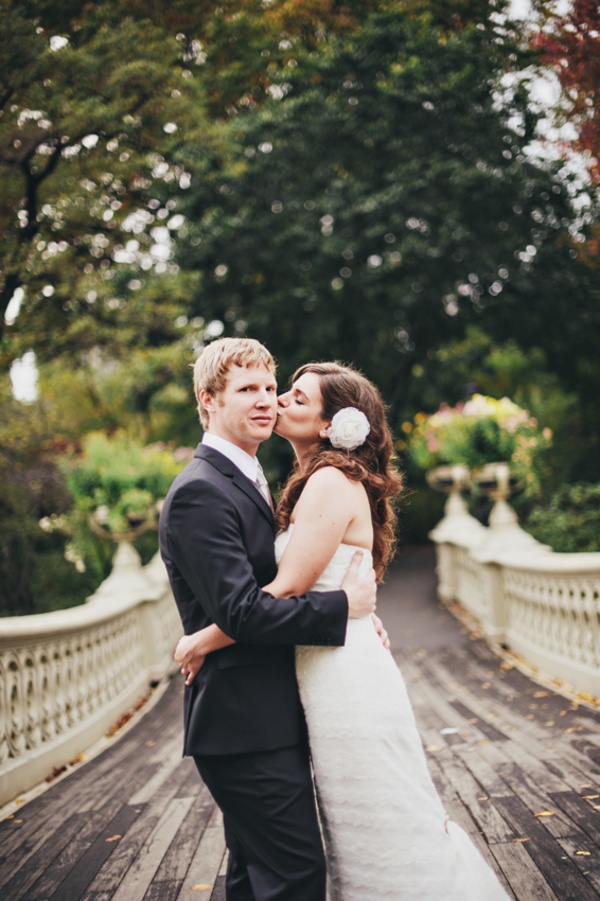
217, 542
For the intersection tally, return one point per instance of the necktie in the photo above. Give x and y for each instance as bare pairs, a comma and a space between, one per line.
263, 486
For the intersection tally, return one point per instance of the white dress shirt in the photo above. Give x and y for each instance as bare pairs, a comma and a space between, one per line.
244, 462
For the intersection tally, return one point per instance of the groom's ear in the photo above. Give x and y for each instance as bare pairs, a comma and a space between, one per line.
207, 401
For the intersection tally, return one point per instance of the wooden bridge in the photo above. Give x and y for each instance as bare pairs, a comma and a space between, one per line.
516, 762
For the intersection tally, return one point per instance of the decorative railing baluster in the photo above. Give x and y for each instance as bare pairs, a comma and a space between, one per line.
67, 676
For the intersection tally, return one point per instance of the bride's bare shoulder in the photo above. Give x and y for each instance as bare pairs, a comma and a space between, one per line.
330, 475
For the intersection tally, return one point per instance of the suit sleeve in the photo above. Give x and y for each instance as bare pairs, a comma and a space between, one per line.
205, 543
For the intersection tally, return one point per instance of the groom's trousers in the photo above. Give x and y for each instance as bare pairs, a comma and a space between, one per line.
271, 825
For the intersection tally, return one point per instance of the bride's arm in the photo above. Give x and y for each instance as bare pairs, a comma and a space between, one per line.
325, 509
191, 650
323, 513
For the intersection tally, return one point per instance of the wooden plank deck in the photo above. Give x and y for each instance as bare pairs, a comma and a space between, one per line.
517, 764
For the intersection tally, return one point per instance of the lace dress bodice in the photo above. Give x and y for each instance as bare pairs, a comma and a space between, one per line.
386, 833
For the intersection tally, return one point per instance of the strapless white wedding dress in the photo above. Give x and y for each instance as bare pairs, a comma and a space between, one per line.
387, 835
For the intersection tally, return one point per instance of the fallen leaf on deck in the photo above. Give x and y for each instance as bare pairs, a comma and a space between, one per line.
149, 744
202, 887
540, 694
119, 724
583, 853
544, 813
79, 759
506, 665
432, 748
516, 841
113, 838
590, 797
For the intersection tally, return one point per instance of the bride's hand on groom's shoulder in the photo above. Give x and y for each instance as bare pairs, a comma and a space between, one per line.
188, 658
360, 587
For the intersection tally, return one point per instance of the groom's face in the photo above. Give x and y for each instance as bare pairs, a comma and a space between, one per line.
245, 411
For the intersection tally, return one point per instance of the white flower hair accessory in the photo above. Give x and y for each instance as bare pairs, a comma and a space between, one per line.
349, 428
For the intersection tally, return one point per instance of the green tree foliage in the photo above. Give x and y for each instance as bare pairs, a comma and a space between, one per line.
95, 100
34, 573
92, 101
95, 103
477, 362
338, 180
383, 199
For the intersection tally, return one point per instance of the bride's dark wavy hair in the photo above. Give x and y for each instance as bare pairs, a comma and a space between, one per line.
373, 463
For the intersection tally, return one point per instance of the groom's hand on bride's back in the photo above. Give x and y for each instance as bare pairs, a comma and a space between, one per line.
360, 587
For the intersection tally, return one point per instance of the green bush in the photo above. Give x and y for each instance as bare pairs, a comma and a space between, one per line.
117, 481
570, 521
31, 488
121, 476
58, 582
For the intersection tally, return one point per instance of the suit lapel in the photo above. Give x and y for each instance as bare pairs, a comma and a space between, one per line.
224, 465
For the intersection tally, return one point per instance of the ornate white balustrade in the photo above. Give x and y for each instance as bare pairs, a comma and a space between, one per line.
67, 676
543, 606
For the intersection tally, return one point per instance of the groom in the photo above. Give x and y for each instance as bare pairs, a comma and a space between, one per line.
244, 725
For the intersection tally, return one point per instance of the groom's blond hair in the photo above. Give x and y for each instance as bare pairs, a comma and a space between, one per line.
216, 359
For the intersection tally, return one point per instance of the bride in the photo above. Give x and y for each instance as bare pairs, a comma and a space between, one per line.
387, 835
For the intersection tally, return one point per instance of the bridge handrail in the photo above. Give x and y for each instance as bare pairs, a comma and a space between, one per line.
541, 605
66, 677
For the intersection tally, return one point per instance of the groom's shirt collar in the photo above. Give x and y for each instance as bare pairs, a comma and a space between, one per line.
244, 462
